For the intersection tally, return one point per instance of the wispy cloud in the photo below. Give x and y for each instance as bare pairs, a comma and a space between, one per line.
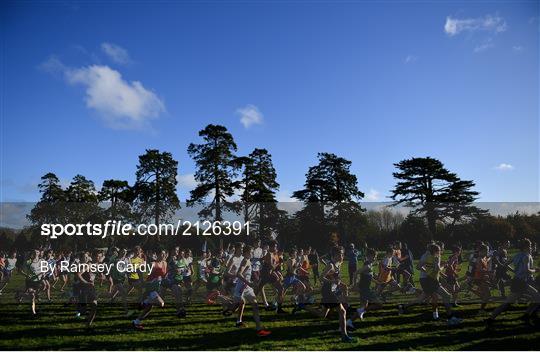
116, 53
122, 104
409, 59
489, 23
504, 167
373, 195
488, 44
250, 115
517, 48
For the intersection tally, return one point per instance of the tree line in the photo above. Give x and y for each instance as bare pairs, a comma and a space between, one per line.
441, 204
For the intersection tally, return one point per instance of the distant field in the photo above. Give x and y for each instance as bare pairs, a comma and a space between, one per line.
205, 328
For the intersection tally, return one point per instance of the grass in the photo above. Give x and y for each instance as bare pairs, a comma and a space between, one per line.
206, 329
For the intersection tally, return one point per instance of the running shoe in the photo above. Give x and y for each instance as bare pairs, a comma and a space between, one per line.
454, 321
181, 313
137, 326
263, 332
348, 339
240, 324
280, 311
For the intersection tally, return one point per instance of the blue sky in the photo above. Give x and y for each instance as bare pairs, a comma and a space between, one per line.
87, 87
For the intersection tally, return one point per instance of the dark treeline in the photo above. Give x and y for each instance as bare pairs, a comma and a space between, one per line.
441, 204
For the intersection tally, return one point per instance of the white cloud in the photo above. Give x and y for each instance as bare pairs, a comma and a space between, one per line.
250, 115
488, 44
373, 195
409, 59
116, 53
517, 48
122, 104
489, 23
504, 167
186, 181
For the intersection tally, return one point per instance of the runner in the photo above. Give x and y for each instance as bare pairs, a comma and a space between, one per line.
521, 287
33, 274
368, 298
452, 271
352, 259
88, 294
153, 289
10, 265
430, 271
270, 274
334, 291
500, 263
291, 280
119, 277
244, 292
481, 277
385, 278
313, 257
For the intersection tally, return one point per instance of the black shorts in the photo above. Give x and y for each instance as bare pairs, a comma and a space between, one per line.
255, 276
117, 281
267, 278
229, 284
502, 275
133, 281
212, 286
367, 294
88, 294
429, 285
330, 298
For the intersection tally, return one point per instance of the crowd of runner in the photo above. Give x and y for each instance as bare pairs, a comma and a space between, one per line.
243, 274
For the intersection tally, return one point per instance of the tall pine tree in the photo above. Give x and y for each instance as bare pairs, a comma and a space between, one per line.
51, 206
332, 189
258, 197
155, 187
217, 168
119, 196
83, 201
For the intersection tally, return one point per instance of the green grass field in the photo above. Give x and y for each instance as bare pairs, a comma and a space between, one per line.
206, 329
